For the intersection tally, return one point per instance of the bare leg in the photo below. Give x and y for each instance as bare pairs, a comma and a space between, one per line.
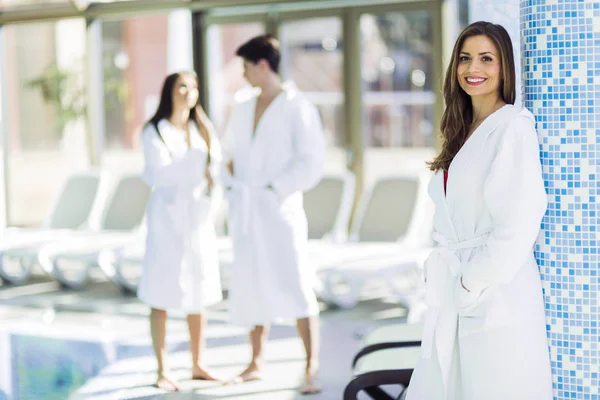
308, 329
258, 336
196, 323
158, 331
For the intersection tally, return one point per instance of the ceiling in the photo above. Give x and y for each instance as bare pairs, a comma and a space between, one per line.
22, 11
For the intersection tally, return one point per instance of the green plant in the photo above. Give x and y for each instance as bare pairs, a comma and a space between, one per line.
65, 89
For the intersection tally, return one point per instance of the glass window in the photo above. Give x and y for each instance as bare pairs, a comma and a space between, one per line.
46, 125
137, 55
8, 4
225, 69
312, 57
112, 1
397, 73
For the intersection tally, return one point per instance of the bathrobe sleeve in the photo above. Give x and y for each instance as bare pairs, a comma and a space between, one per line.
306, 167
216, 158
161, 170
228, 148
516, 199
228, 142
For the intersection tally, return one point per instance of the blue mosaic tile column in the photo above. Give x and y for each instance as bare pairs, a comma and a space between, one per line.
561, 65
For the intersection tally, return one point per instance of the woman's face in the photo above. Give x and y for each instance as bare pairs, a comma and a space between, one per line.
185, 92
479, 67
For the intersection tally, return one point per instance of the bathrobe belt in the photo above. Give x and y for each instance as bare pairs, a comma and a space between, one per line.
441, 321
246, 192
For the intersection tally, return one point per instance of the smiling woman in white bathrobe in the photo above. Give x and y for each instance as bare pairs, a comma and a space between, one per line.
180, 267
485, 331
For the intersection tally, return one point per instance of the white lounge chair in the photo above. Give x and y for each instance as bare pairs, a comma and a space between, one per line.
78, 207
388, 355
328, 207
391, 366
395, 209
389, 336
390, 236
69, 259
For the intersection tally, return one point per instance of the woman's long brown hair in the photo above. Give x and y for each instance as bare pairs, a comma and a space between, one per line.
197, 114
458, 115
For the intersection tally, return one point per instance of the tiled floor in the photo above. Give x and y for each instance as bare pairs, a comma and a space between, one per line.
100, 314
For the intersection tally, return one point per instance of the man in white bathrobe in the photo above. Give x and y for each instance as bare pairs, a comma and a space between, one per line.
274, 151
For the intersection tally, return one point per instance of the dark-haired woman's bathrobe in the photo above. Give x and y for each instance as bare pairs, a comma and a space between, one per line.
489, 343
181, 263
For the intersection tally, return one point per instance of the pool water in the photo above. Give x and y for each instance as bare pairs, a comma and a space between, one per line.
51, 369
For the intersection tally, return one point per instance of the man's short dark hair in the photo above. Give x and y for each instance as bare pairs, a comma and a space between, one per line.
263, 47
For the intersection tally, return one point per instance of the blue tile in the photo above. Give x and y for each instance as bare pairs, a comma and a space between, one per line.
567, 107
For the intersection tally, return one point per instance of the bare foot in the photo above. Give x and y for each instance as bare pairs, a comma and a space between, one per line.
166, 383
201, 374
311, 384
252, 373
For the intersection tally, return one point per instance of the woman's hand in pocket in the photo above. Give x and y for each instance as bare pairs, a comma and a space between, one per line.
465, 298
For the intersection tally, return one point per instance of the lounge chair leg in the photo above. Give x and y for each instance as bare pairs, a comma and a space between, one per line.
127, 292
356, 286
331, 299
327, 292
377, 393
26, 268
77, 283
370, 382
352, 389
403, 394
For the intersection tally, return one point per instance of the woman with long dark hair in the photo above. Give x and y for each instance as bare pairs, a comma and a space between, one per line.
180, 268
485, 329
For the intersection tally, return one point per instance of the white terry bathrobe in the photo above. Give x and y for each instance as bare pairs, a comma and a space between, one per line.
181, 265
272, 278
489, 344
